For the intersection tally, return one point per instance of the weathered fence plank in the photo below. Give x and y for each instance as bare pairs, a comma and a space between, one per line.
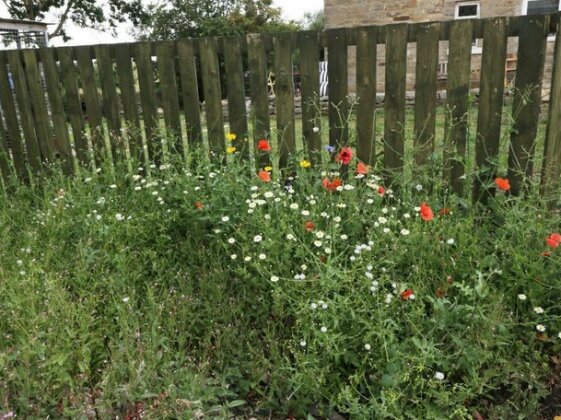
284, 89
490, 107
551, 169
36, 95
308, 43
394, 108
73, 104
527, 101
128, 99
111, 109
190, 91
259, 94
25, 110
366, 63
337, 73
143, 59
61, 144
237, 112
91, 99
165, 52
5, 172
8, 104
457, 95
425, 92
213, 97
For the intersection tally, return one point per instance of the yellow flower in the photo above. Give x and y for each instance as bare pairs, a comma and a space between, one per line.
231, 137
230, 150
268, 168
305, 163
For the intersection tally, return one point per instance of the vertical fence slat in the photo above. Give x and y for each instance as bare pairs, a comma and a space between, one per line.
284, 90
259, 93
337, 74
425, 91
25, 110
165, 52
490, 106
110, 99
366, 91
459, 74
213, 97
4, 154
145, 71
73, 104
7, 102
551, 168
36, 94
128, 99
61, 143
527, 100
93, 111
237, 112
190, 91
309, 88
394, 108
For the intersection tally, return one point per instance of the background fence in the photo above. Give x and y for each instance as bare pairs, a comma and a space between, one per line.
82, 104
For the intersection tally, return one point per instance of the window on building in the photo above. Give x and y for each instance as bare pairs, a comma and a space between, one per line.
534, 7
467, 10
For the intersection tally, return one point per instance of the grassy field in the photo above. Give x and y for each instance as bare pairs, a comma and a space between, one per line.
204, 291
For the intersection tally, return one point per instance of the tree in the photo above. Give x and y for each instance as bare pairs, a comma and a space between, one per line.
314, 21
198, 18
84, 13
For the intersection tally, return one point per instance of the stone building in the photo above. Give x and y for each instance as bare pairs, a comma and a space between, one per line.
354, 13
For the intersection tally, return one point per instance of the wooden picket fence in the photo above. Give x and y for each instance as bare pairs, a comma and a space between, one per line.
124, 89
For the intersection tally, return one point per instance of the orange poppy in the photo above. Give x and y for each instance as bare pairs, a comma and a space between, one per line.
264, 176
345, 155
426, 212
309, 226
331, 185
263, 145
198, 205
444, 211
407, 294
381, 190
361, 168
502, 184
553, 240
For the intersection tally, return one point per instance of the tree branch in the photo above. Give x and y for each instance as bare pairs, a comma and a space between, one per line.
63, 19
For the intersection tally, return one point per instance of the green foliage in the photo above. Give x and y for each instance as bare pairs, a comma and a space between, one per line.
195, 18
84, 13
202, 290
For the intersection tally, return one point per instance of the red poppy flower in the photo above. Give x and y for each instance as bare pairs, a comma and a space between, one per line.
345, 155
309, 226
381, 190
361, 168
444, 211
407, 294
198, 205
263, 145
264, 176
502, 184
331, 185
426, 212
553, 240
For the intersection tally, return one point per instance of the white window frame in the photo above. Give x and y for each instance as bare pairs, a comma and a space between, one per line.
524, 12
476, 48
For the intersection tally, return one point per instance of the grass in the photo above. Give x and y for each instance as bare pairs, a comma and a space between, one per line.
199, 290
